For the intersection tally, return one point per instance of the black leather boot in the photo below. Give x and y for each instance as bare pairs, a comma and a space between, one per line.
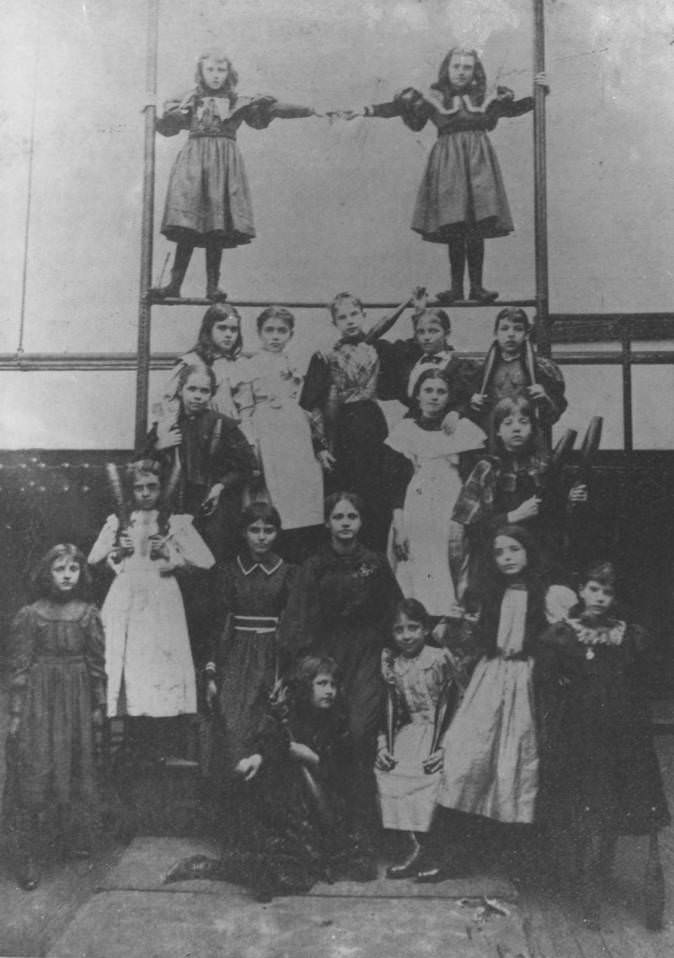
181, 261
475, 256
456, 249
213, 260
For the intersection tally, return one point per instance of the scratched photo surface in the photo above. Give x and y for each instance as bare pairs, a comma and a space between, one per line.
333, 200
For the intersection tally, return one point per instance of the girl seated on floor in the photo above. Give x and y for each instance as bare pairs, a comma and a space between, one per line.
296, 824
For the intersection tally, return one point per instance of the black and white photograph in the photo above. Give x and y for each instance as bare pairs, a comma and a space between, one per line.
337, 479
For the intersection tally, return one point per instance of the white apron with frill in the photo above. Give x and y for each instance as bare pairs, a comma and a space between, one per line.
147, 645
427, 512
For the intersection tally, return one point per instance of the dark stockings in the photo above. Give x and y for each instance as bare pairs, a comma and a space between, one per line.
464, 248
475, 257
213, 259
181, 261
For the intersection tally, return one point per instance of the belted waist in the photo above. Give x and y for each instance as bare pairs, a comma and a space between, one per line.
255, 623
228, 134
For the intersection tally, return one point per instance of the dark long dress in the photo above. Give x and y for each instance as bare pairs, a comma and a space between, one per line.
344, 389
57, 677
293, 829
213, 449
342, 606
598, 770
250, 597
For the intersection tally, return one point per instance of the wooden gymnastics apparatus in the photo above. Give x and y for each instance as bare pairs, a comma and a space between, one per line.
617, 330
540, 301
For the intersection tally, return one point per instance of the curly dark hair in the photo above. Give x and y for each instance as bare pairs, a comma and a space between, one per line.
413, 610
433, 312
276, 312
306, 671
478, 85
204, 347
41, 578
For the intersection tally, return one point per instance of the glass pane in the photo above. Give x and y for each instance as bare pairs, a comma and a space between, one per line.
652, 395
67, 410
594, 391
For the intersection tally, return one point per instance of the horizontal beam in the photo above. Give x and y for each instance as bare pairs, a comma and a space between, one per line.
123, 362
253, 304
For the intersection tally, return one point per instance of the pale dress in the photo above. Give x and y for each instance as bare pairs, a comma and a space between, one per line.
148, 660
407, 795
279, 429
490, 763
427, 511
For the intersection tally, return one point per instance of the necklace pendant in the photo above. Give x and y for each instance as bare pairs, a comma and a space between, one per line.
589, 654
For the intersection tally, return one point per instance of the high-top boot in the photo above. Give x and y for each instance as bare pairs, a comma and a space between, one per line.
475, 256
181, 261
213, 259
456, 249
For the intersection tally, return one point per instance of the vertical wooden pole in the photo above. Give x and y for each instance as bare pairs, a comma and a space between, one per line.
540, 186
626, 362
147, 225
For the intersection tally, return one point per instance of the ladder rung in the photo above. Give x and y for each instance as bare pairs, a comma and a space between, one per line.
472, 304
260, 304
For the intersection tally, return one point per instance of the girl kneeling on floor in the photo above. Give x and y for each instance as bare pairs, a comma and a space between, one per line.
297, 824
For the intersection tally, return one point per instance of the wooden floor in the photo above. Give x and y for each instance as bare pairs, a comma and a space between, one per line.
30, 923
553, 921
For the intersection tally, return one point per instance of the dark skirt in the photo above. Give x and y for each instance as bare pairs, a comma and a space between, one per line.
598, 767
360, 433
208, 194
247, 671
462, 190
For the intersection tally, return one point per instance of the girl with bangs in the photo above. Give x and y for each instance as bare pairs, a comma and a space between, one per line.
219, 346
208, 199
514, 485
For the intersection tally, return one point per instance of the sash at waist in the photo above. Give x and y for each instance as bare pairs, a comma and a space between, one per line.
228, 134
255, 623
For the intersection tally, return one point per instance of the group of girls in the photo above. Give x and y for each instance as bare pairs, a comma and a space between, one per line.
335, 704
461, 200
395, 677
